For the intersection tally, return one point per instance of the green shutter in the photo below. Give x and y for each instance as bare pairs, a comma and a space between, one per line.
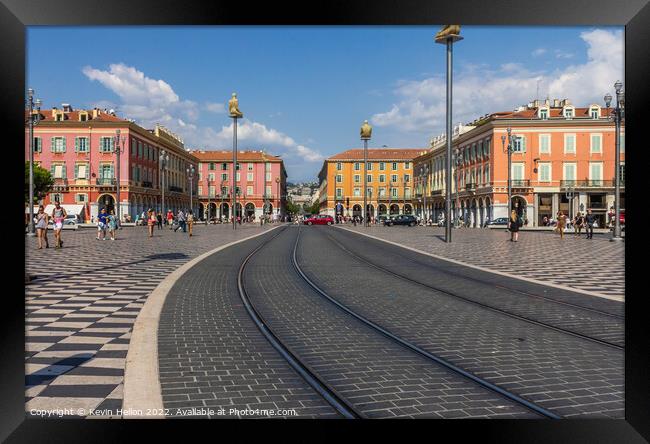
52, 170
76, 147
63, 145
523, 144
112, 171
76, 171
63, 173
52, 144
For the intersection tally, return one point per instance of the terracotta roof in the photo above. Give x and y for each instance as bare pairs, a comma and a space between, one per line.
73, 116
379, 154
531, 113
226, 156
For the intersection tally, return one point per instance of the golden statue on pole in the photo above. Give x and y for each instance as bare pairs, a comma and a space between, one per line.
447, 32
366, 130
233, 107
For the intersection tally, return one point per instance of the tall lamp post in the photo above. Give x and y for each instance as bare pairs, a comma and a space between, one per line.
190, 175
34, 119
458, 162
119, 148
511, 139
277, 181
164, 159
570, 194
235, 113
390, 195
619, 114
366, 133
448, 35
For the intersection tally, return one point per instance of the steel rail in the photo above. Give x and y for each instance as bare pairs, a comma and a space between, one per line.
476, 379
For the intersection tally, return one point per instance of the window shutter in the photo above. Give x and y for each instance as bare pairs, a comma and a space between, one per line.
52, 169
52, 144
76, 146
76, 171
63, 151
523, 144
112, 170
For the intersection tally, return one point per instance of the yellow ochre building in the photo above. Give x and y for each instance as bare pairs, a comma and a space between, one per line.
389, 181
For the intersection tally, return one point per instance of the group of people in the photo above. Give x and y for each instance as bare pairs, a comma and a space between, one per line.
41, 221
106, 222
580, 221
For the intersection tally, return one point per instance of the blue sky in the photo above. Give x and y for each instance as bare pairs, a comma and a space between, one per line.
305, 91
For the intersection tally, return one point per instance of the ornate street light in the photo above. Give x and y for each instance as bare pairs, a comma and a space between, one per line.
164, 160
448, 35
277, 181
512, 139
119, 149
190, 175
235, 113
619, 114
34, 119
366, 133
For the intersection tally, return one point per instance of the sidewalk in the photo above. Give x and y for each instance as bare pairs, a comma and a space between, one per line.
82, 304
596, 266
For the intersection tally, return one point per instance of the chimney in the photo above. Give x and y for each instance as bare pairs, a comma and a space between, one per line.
66, 107
547, 102
54, 111
556, 103
96, 112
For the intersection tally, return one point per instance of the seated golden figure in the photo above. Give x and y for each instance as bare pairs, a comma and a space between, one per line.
366, 130
448, 30
233, 107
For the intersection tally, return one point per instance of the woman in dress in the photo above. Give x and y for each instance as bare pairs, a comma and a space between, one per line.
561, 223
41, 220
112, 224
513, 226
151, 221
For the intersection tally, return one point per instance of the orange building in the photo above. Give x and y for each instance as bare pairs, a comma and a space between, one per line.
560, 151
389, 181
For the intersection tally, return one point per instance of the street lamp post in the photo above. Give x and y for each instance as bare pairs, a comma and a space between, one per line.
448, 35
366, 133
190, 175
164, 159
277, 181
458, 161
235, 113
390, 195
34, 119
119, 148
509, 149
570, 194
619, 113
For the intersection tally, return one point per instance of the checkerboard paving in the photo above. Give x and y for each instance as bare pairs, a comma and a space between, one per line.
83, 301
595, 265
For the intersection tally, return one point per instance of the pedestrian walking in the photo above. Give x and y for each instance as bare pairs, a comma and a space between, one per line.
561, 223
41, 219
170, 218
151, 221
513, 226
159, 218
58, 214
180, 217
190, 221
578, 223
111, 221
590, 220
102, 224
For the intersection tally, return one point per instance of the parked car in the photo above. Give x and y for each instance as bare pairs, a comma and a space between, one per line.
382, 218
319, 219
402, 219
498, 221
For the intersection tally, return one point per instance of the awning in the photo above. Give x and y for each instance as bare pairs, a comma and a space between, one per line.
69, 208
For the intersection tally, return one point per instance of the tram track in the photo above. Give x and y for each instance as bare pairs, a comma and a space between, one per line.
471, 301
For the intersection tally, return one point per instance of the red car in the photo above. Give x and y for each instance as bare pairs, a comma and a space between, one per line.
319, 219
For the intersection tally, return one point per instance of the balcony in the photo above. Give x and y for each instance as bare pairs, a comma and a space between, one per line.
60, 184
106, 181
520, 183
470, 187
147, 184
175, 189
590, 183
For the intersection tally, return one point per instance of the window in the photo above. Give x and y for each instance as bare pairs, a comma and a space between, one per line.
369, 178
200, 190
357, 192
487, 173
568, 113
339, 192
133, 147
106, 144
141, 152
486, 148
382, 166
545, 144
473, 152
368, 166
57, 171
238, 191
596, 143
393, 192
382, 192
56, 197
407, 193
382, 178
81, 198
38, 146
339, 178
544, 172
517, 171
106, 171
250, 167
339, 166
407, 178
58, 144
268, 190
81, 144
249, 190
407, 165
569, 171
224, 166
357, 166
81, 171
393, 178
224, 177
224, 191
595, 171
357, 178
569, 144
479, 150
594, 112
249, 177
268, 176
212, 191
394, 166
83, 117
237, 178
543, 113
519, 144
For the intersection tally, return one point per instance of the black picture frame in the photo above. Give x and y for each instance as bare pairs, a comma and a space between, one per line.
15, 15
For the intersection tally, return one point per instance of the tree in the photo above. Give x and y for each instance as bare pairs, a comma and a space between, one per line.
292, 207
313, 208
43, 183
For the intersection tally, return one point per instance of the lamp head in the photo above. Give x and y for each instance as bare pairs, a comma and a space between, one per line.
30, 92
608, 99
38, 104
618, 86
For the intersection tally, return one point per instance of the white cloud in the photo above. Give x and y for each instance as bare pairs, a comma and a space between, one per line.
149, 101
483, 89
538, 52
559, 54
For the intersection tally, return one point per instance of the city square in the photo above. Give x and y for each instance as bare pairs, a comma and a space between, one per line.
188, 257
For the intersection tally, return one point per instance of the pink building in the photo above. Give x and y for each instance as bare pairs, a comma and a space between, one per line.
261, 183
78, 147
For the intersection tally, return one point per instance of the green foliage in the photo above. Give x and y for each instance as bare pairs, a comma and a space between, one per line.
43, 183
292, 208
313, 208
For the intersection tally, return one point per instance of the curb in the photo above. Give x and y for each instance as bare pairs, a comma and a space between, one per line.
142, 392
487, 270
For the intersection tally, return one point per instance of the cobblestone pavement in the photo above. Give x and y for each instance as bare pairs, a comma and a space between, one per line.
568, 375
595, 265
81, 308
380, 378
212, 355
